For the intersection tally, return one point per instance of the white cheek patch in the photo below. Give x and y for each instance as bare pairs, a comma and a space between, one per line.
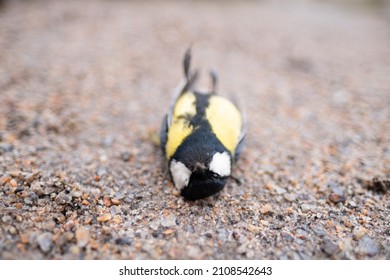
180, 174
220, 164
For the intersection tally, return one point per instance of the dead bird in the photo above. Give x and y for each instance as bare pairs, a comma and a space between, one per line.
201, 136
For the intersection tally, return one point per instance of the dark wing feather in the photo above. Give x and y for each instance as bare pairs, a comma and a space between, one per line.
164, 133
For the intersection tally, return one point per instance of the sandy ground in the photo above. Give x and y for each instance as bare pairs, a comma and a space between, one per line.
83, 89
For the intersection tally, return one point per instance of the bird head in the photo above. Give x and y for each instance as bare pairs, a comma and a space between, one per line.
201, 179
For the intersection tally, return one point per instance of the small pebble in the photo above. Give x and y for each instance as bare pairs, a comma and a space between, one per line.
223, 235
295, 216
359, 232
45, 241
37, 188
49, 225
336, 198
155, 224
68, 236
74, 250
87, 220
266, 209
330, 248
168, 231
125, 156
63, 198
69, 225
28, 201
106, 230
12, 230
49, 190
319, 230
94, 244
115, 201
194, 252
24, 238
19, 189
168, 221
117, 219
5, 147
253, 229
76, 193
13, 183
242, 248
270, 169
108, 140
33, 196
352, 203
336, 188
250, 254
60, 217
115, 210
107, 201
118, 196
290, 197
123, 241
104, 218
82, 236
7, 219
368, 246
279, 190
101, 171
306, 208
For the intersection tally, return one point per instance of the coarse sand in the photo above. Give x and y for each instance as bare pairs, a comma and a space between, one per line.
84, 86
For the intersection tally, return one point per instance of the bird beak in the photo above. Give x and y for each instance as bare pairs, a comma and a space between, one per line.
199, 167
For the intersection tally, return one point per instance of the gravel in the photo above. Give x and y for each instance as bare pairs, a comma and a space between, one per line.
330, 248
368, 246
168, 221
45, 241
84, 87
63, 198
307, 208
336, 198
82, 236
290, 197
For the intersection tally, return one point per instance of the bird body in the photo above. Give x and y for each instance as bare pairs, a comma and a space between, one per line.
201, 137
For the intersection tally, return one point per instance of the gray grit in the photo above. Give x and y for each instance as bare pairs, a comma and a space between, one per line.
83, 89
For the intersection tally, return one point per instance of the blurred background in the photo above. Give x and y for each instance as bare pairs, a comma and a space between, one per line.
119, 60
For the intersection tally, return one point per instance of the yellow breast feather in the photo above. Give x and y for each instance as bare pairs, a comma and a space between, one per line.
179, 129
225, 121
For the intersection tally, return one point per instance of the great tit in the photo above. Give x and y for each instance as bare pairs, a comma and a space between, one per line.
201, 136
